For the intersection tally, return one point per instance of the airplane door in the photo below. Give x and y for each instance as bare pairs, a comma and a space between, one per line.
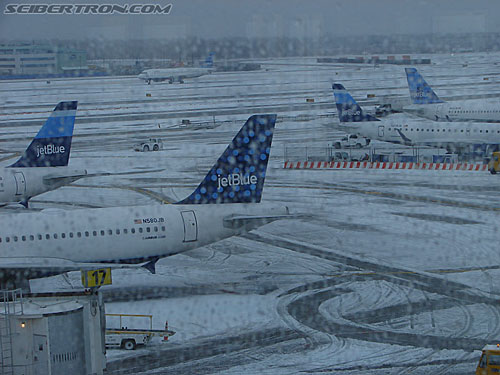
190, 226
381, 131
20, 183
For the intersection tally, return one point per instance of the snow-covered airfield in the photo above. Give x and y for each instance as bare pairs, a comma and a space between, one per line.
394, 273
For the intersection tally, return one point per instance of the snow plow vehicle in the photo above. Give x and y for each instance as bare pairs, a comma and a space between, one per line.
489, 363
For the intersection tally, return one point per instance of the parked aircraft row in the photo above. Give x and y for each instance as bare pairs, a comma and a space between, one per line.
223, 205
451, 135
425, 103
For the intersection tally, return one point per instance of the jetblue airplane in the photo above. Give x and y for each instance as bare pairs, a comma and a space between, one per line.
43, 166
177, 74
427, 104
454, 136
225, 204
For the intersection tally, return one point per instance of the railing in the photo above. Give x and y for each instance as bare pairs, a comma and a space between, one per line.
12, 301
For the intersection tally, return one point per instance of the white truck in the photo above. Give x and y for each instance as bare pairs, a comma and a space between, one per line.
352, 141
119, 334
152, 144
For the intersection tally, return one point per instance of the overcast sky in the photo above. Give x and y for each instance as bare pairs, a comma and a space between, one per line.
259, 18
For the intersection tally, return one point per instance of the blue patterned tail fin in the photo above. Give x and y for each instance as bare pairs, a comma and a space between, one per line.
347, 108
52, 145
238, 176
209, 61
420, 91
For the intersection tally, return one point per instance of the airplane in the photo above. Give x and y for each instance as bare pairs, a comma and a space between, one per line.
427, 104
226, 203
43, 165
177, 74
456, 136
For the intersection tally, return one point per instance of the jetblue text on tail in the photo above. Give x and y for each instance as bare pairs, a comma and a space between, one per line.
238, 176
52, 145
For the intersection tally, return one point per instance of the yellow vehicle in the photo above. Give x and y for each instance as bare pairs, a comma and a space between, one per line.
494, 163
490, 360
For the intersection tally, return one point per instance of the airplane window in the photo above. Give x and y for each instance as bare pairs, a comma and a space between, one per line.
140, 230
94, 233
70, 234
78, 234
118, 231
87, 233
55, 236
47, 236
148, 229
39, 236
102, 233
132, 230
7, 239
23, 238
156, 229
110, 231
0, 239
163, 229
32, 238
15, 238
63, 235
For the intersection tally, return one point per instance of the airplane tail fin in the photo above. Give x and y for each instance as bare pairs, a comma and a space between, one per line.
52, 145
239, 173
209, 61
347, 108
420, 91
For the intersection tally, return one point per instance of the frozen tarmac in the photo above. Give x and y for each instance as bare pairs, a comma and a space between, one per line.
394, 272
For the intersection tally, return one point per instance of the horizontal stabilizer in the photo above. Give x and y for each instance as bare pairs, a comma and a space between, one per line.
252, 221
56, 178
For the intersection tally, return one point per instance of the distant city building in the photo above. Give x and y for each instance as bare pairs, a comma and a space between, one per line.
29, 59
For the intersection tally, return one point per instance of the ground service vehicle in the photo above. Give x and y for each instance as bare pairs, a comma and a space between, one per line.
490, 360
494, 163
152, 144
352, 140
124, 337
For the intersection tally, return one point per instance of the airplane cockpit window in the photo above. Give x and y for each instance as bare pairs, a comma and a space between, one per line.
266, 186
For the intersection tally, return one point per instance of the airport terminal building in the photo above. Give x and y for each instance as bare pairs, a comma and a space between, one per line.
35, 59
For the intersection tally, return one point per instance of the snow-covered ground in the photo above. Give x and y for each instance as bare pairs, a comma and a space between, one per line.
393, 272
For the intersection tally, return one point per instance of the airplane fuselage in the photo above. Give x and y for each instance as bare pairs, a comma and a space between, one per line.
20, 184
457, 111
426, 133
123, 234
172, 75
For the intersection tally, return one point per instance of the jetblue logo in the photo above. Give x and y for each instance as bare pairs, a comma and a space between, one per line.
352, 112
236, 180
49, 150
420, 93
